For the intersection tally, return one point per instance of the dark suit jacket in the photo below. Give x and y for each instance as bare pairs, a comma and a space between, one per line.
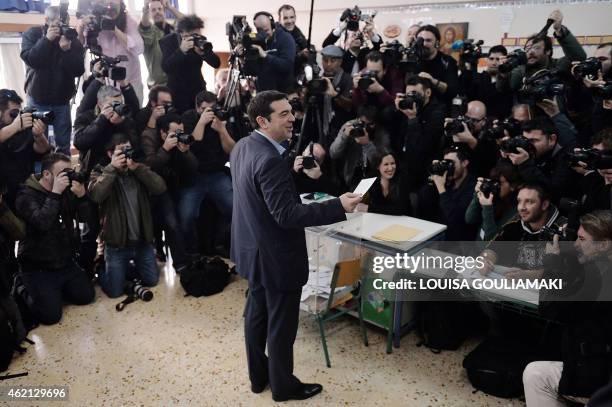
184, 71
268, 220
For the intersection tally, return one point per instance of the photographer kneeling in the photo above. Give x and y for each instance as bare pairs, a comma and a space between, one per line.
49, 204
122, 189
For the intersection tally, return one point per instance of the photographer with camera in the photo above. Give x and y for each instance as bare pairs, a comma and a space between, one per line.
447, 196
436, 66
494, 202
159, 104
547, 164
94, 128
109, 30
22, 142
356, 145
212, 147
50, 204
123, 189
184, 52
153, 31
599, 86
53, 58
419, 121
482, 85
355, 46
538, 55
310, 171
595, 166
167, 152
272, 57
376, 85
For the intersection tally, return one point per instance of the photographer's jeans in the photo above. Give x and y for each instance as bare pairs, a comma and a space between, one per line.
165, 209
62, 124
217, 186
118, 269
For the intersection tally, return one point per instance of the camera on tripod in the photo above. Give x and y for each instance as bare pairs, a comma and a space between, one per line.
511, 146
201, 43
441, 167
489, 186
45, 116
109, 66
353, 16
240, 32
593, 158
514, 59
183, 137
410, 99
496, 131
312, 80
406, 59
544, 84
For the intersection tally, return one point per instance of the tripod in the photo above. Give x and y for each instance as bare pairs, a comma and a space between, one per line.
312, 126
233, 103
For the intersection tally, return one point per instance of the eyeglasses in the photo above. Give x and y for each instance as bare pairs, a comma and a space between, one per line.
534, 48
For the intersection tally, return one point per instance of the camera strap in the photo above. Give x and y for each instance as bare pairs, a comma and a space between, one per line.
128, 300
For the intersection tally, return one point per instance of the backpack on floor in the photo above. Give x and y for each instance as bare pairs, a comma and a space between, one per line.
442, 325
206, 276
496, 366
12, 332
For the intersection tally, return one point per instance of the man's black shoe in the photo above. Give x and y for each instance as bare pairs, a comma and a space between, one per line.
258, 388
305, 392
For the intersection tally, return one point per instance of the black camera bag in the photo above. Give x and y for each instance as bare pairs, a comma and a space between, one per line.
206, 276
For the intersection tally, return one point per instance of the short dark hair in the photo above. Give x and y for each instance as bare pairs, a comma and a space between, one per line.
462, 153
544, 124
163, 122
432, 29
115, 140
285, 7
376, 56
368, 111
508, 171
414, 80
498, 49
541, 188
205, 96
261, 105
189, 23
50, 159
603, 137
156, 90
535, 38
6, 96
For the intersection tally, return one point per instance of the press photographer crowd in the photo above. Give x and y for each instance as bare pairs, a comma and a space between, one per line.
520, 151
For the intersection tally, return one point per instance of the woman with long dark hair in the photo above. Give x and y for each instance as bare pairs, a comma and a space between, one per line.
388, 195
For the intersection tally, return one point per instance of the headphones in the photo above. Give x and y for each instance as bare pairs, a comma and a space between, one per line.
264, 13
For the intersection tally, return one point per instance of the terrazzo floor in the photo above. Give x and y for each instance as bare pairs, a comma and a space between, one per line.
185, 351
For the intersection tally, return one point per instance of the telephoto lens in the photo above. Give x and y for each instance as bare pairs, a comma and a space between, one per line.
136, 288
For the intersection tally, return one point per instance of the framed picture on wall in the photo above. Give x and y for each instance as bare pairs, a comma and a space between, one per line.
449, 33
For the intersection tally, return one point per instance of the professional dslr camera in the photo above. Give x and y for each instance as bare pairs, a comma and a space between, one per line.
80, 177
353, 16
136, 289
109, 66
120, 108
128, 152
489, 186
200, 42
68, 32
516, 58
604, 92
594, 159
358, 130
455, 126
441, 167
312, 80
496, 131
183, 137
366, 79
511, 145
544, 84
589, 68
47, 116
410, 99
221, 113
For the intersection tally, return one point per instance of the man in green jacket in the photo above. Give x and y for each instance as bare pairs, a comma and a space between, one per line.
151, 32
122, 190
539, 55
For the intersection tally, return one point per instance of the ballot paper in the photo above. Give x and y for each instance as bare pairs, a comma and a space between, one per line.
364, 186
396, 234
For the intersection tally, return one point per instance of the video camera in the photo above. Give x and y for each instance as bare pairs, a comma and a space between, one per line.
512, 145
101, 21
353, 16
516, 58
406, 59
315, 84
441, 167
109, 66
240, 32
593, 158
410, 99
183, 137
471, 51
496, 131
489, 186
46, 116
544, 84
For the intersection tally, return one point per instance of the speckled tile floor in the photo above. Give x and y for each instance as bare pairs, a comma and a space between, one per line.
184, 351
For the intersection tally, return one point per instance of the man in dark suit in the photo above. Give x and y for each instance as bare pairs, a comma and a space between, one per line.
269, 245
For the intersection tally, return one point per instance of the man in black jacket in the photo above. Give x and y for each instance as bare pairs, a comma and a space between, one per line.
160, 103
182, 61
420, 128
53, 60
438, 67
274, 65
286, 17
49, 206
